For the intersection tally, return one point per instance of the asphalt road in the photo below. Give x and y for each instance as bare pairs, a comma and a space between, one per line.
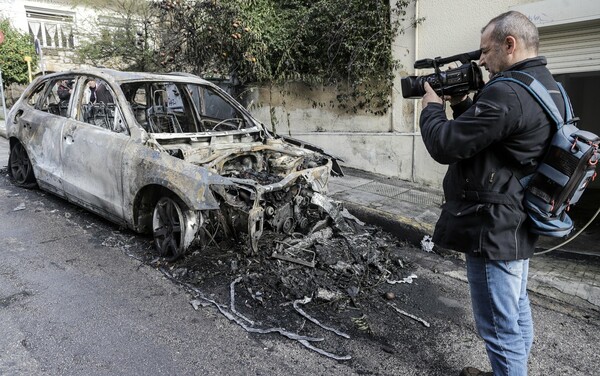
71, 306
74, 302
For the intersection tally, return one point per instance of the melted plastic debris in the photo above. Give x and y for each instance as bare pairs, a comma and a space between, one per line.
427, 244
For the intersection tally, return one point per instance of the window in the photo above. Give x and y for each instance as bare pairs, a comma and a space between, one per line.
97, 106
137, 101
212, 105
33, 98
172, 107
57, 97
51, 28
160, 107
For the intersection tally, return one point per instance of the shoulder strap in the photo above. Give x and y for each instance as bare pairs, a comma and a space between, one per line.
541, 94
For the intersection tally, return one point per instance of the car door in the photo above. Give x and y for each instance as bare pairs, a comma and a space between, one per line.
41, 123
92, 156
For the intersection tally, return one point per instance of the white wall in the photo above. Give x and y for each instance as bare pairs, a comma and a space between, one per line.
14, 10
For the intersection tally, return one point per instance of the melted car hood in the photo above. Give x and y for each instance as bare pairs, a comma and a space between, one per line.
249, 156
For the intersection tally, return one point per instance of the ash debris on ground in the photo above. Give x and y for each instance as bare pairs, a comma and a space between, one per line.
316, 286
324, 265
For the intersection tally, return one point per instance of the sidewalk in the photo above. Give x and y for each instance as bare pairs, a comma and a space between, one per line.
570, 276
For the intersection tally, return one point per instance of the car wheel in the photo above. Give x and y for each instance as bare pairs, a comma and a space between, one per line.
20, 167
168, 228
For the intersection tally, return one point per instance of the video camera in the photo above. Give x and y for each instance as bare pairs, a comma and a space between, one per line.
453, 82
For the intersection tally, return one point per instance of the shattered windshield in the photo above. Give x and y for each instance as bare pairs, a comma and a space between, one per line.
174, 107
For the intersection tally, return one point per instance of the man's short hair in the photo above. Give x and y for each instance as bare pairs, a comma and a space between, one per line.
517, 25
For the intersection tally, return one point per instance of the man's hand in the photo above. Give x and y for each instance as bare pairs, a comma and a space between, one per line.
430, 96
455, 100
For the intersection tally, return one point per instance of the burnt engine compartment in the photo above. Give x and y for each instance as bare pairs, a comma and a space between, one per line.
267, 166
270, 204
285, 211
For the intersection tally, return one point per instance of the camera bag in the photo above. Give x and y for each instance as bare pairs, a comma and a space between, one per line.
566, 169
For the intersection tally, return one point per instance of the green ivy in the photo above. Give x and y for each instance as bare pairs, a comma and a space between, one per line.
13, 50
341, 43
326, 42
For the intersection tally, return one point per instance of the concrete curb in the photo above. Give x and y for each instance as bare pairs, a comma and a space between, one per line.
404, 228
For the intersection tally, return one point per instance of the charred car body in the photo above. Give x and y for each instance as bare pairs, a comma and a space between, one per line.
169, 154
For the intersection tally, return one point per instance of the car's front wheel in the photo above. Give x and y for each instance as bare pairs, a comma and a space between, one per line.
20, 167
168, 228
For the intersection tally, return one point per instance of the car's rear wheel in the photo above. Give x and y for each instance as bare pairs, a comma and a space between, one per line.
168, 228
20, 167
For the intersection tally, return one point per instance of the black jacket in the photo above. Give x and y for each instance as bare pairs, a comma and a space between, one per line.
491, 144
64, 92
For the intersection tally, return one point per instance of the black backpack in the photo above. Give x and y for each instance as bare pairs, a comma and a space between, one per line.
566, 169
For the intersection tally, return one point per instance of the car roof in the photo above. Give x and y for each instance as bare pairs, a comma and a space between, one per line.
123, 76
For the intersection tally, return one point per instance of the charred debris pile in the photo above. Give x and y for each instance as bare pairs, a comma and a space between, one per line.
304, 287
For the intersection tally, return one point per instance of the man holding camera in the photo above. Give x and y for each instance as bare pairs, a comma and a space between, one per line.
493, 141
65, 88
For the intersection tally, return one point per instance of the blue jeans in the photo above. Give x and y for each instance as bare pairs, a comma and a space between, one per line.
502, 312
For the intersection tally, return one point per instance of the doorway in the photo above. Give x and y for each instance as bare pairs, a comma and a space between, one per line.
583, 91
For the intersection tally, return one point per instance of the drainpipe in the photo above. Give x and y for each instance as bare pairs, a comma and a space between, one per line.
415, 125
392, 96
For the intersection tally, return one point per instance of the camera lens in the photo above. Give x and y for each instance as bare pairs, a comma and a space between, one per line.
412, 86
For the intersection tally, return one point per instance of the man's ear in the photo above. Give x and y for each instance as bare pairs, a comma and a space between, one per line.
509, 44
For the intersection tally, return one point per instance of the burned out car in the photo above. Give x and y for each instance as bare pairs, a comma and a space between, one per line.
168, 154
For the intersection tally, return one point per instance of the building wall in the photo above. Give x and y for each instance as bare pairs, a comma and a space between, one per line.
391, 145
55, 58
363, 141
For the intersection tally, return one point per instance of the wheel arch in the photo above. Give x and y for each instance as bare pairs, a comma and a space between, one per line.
145, 201
12, 142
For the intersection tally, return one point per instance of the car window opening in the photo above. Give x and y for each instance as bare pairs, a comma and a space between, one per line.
169, 107
98, 106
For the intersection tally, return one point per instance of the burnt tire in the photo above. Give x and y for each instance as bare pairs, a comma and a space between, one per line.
20, 167
168, 228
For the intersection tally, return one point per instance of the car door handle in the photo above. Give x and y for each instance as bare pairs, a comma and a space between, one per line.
69, 139
17, 116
